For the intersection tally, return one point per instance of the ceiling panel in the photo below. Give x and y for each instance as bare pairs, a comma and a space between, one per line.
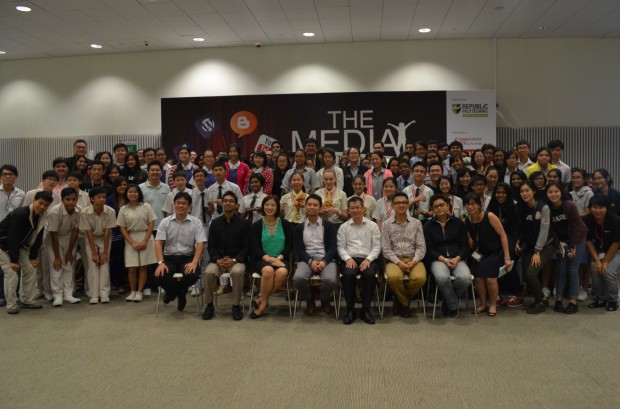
66, 27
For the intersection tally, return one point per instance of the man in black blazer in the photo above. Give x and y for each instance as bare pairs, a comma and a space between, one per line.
315, 242
353, 169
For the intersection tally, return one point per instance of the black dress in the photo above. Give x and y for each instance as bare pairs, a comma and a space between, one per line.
488, 243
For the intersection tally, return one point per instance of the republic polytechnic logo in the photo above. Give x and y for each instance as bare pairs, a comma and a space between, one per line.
456, 108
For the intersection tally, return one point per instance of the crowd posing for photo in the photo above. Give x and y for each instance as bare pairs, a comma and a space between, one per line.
520, 225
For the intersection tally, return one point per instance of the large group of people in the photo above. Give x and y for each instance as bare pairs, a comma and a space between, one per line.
434, 215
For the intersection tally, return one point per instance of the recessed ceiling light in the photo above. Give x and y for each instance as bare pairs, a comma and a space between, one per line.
96, 46
308, 34
424, 30
23, 8
543, 28
198, 39
2, 52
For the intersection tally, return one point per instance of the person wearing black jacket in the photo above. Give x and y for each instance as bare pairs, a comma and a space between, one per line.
21, 235
228, 244
315, 243
446, 250
353, 169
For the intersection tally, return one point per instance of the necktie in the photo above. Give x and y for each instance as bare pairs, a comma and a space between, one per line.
202, 207
219, 208
417, 193
251, 214
406, 183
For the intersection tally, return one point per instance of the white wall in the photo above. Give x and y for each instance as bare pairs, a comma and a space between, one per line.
539, 82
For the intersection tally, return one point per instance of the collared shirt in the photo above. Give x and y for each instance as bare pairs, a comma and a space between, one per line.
311, 181
97, 223
535, 167
337, 198
229, 238
196, 205
294, 205
168, 206
10, 201
377, 183
313, 239
363, 241
181, 236
247, 204
136, 219
401, 183
522, 166
403, 240
213, 192
29, 198
370, 204
565, 169
60, 221
155, 196
508, 175
383, 210
422, 206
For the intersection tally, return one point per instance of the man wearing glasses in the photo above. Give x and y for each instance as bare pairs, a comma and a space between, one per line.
10, 199
402, 240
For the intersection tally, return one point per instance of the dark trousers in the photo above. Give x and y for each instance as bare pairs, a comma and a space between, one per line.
349, 283
176, 287
118, 275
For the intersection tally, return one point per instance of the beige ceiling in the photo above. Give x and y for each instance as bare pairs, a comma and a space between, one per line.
67, 27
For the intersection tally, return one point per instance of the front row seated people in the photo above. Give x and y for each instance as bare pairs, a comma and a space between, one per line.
402, 239
446, 249
359, 245
272, 242
229, 244
315, 243
179, 244
21, 235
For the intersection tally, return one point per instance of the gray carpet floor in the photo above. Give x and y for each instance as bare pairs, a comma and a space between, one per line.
119, 355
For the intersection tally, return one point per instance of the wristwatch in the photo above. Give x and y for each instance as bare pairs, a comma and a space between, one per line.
160, 262
234, 261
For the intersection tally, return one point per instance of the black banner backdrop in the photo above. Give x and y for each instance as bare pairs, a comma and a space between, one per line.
335, 120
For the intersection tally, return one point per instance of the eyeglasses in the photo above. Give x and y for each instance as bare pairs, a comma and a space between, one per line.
400, 203
228, 201
439, 206
8, 174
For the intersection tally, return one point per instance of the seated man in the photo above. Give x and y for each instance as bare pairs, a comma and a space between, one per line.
184, 239
21, 235
315, 243
229, 245
359, 245
402, 240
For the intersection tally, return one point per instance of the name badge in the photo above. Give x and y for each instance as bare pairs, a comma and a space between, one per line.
601, 256
476, 256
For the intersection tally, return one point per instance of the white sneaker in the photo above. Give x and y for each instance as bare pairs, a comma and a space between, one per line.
57, 301
94, 301
105, 300
48, 297
131, 297
546, 292
194, 291
583, 296
72, 300
147, 292
138, 297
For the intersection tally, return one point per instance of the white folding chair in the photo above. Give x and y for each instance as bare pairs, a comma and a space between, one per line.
405, 283
473, 292
359, 277
216, 296
256, 279
315, 281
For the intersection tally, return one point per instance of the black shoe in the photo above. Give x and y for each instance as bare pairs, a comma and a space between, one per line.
209, 311
168, 298
236, 313
405, 311
396, 307
571, 308
536, 308
367, 316
612, 306
598, 304
453, 313
349, 317
444, 308
558, 307
254, 315
32, 306
182, 302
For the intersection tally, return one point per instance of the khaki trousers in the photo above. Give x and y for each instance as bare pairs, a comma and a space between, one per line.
395, 276
11, 279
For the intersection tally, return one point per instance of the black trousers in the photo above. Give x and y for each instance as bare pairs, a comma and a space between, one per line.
349, 282
177, 287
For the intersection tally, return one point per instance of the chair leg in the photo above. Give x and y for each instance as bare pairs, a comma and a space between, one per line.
382, 311
435, 302
295, 308
421, 295
288, 297
157, 306
251, 294
474, 297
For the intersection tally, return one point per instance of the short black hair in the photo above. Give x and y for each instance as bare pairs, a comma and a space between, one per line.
231, 193
258, 177
50, 174
118, 146
59, 160
45, 196
68, 191
10, 168
183, 195
75, 174
96, 191
140, 194
154, 163
315, 197
556, 143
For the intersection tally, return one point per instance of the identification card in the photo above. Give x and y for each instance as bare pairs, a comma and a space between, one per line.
476, 256
601, 256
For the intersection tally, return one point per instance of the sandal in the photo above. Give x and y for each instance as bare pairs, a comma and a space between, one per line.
492, 313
